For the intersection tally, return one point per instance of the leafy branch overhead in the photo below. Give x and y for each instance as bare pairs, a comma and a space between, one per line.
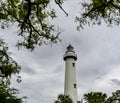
32, 19
97, 11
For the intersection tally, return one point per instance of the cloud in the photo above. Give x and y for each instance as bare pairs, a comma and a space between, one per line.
116, 81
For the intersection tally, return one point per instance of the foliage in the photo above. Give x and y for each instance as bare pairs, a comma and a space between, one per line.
63, 99
8, 95
115, 98
95, 97
8, 67
97, 11
99, 97
32, 19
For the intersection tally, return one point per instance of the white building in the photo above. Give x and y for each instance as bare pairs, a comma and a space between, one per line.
70, 87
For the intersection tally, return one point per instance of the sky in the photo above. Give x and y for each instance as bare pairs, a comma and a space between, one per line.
43, 70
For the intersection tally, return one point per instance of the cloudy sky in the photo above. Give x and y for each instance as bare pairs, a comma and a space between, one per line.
98, 64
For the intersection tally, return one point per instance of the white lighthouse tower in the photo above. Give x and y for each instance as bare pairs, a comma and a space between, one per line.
70, 87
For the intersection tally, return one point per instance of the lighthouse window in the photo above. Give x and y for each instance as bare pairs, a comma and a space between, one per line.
73, 64
75, 86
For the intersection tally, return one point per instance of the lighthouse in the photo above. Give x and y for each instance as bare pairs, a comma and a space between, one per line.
70, 86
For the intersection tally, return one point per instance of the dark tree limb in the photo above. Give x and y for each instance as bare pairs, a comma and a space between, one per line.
28, 13
101, 7
59, 4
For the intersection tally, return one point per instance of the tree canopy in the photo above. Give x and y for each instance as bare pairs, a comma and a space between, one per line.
99, 97
95, 97
97, 11
8, 68
9, 95
63, 99
32, 18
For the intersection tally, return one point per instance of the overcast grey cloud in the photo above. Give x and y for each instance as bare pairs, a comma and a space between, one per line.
116, 81
98, 64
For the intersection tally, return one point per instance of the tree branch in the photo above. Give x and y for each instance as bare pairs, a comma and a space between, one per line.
115, 6
58, 3
28, 13
101, 7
